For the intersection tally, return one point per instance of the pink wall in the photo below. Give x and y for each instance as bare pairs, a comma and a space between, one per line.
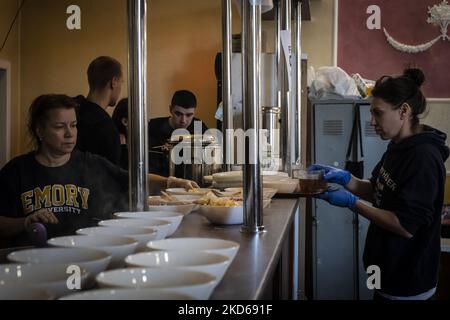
367, 52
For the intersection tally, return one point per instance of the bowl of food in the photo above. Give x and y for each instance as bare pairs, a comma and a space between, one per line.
196, 284
140, 234
223, 215
128, 294
173, 217
161, 203
221, 210
211, 263
94, 261
117, 247
161, 226
226, 214
223, 247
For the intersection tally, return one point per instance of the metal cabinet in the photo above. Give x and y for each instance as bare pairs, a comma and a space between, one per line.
333, 253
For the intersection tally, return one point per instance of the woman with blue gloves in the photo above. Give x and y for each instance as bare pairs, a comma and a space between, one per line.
406, 190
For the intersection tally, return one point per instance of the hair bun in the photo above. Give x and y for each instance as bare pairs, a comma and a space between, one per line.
415, 75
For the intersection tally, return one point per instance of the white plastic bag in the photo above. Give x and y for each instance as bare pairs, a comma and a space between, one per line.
332, 82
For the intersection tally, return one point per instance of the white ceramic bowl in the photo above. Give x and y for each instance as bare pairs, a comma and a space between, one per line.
285, 185
211, 263
173, 217
162, 226
229, 176
219, 246
128, 294
268, 193
140, 234
196, 284
94, 261
52, 278
182, 191
223, 215
117, 247
181, 208
188, 197
24, 293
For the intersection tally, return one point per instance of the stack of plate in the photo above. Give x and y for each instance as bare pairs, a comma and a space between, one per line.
271, 179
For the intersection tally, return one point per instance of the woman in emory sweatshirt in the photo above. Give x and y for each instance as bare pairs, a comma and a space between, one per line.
406, 190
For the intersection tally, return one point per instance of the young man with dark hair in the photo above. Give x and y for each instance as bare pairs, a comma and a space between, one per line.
96, 130
182, 116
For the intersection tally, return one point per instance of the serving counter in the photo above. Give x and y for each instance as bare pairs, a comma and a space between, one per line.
264, 266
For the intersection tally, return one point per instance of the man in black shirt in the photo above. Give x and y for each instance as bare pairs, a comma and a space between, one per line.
182, 111
96, 130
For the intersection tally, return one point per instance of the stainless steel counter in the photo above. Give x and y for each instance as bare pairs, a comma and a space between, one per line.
256, 262
262, 264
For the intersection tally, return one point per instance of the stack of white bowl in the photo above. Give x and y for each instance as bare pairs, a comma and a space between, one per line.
174, 218
179, 268
46, 281
196, 285
162, 227
46, 273
117, 247
140, 234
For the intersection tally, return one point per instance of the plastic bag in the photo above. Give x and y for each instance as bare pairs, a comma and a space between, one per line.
333, 82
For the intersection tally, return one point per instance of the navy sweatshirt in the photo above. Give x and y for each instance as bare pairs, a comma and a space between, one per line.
409, 181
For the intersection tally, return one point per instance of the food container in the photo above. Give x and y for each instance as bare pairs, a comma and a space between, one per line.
310, 182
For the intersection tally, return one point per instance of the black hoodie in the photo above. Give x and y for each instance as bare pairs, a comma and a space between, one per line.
409, 181
96, 131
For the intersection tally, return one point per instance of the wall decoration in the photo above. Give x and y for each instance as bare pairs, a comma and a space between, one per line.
378, 37
438, 15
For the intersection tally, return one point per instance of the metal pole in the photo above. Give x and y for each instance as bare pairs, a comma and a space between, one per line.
251, 35
298, 74
283, 82
277, 8
299, 226
226, 84
137, 93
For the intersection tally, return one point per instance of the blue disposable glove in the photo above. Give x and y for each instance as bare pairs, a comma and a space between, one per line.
340, 198
333, 175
